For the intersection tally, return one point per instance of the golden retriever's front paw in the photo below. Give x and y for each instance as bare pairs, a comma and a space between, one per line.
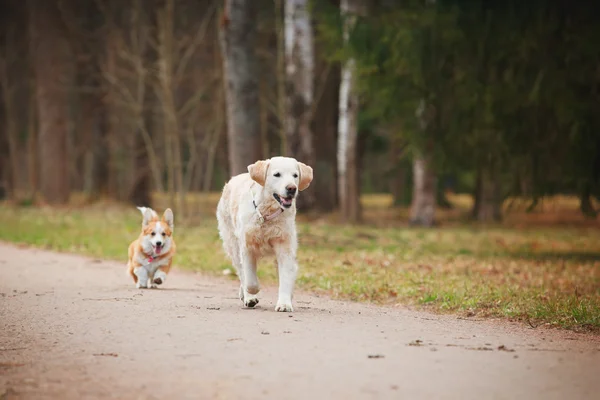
251, 301
284, 307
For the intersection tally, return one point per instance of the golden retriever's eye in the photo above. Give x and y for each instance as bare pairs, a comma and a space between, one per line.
164, 234
277, 175
295, 175
153, 233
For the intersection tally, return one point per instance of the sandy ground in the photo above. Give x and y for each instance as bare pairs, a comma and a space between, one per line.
76, 328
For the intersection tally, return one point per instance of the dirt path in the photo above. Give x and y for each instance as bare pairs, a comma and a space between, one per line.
75, 328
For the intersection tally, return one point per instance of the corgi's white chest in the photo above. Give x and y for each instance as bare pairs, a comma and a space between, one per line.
151, 265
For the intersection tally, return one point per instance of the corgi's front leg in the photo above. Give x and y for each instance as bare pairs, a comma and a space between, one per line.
159, 278
142, 274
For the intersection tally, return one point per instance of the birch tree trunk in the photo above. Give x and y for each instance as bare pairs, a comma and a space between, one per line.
348, 177
240, 66
422, 211
300, 66
52, 61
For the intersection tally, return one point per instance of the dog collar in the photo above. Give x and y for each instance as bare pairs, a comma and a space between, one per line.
268, 217
150, 259
261, 218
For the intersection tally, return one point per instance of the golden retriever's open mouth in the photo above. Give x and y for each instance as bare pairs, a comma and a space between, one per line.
284, 201
158, 248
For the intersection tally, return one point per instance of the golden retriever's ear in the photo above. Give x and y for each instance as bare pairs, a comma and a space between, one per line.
258, 171
306, 176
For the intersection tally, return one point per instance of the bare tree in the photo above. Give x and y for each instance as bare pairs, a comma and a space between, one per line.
238, 35
125, 72
54, 71
348, 177
300, 66
180, 108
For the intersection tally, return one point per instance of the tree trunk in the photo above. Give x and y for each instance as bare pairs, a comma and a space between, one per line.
94, 126
325, 121
32, 142
281, 77
348, 181
397, 171
300, 66
140, 194
140, 190
4, 158
398, 186
585, 202
172, 124
32, 115
214, 143
10, 126
476, 194
52, 60
489, 204
422, 211
238, 41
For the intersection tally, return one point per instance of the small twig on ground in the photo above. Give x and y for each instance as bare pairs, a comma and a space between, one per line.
13, 348
109, 299
531, 324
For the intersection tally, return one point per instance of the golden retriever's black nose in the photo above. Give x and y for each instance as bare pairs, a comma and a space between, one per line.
291, 190
158, 244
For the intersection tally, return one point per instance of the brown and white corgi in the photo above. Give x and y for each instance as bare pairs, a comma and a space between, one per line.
151, 254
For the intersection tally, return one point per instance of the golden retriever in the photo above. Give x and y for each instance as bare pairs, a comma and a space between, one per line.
257, 218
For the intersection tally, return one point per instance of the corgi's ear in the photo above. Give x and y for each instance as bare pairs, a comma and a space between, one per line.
258, 171
168, 218
306, 176
148, 216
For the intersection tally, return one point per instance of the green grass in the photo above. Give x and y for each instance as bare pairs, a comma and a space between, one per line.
542, 275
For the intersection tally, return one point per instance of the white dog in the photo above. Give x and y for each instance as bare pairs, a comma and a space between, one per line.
257, 218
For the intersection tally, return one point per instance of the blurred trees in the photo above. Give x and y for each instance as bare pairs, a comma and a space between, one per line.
240, 67
52, 60
118, 99
505, 91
